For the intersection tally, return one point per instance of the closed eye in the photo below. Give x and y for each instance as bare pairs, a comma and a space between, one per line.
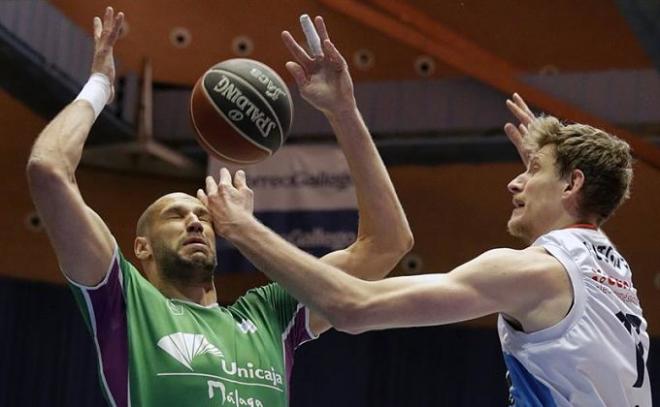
533, 166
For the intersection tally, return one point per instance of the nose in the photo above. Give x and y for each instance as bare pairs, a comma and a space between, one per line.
194, 225
516, 184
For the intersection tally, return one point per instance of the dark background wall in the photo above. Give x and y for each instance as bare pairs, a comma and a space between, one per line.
47, 359
456, 211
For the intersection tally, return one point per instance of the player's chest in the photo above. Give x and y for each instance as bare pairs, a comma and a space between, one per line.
215, 356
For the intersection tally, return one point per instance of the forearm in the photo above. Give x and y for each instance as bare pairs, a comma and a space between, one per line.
59, 146
322, 287
382, 219
350, 304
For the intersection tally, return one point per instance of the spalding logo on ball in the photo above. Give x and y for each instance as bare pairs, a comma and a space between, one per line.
242, 111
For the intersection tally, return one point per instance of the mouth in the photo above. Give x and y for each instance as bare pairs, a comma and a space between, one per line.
195, 241
518, 204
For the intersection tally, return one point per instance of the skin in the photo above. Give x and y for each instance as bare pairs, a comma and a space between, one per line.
530, 287
176, 248
181, 229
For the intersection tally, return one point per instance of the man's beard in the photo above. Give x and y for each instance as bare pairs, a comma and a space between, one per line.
175, 268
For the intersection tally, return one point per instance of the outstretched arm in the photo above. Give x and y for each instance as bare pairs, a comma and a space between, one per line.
81, 240
514, 282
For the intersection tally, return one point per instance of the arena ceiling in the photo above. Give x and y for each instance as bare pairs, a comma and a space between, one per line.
532, 36
385, 41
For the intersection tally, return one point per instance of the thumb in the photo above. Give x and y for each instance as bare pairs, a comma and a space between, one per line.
297, 72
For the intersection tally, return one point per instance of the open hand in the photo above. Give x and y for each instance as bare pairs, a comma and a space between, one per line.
517, 134
323, 80
230, 203
106, 33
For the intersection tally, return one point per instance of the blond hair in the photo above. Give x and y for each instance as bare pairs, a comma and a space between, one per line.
604, 159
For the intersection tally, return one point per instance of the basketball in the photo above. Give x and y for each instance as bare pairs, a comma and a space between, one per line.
241, 110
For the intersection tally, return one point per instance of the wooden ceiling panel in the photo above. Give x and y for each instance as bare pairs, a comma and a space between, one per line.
213, 25
571, 35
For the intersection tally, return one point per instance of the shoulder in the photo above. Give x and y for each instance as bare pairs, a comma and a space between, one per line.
271, 295
519, 263
520, 278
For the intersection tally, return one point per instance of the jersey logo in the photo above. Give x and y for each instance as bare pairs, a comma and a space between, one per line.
175, 309
247, 326
185, 347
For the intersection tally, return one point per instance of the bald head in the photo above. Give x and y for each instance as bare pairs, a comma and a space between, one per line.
145, 221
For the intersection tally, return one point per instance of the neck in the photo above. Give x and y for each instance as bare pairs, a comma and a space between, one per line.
202, 293
567, 222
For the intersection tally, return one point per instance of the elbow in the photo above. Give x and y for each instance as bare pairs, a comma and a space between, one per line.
352, 329
407, 241
401, 244
402, 241
42, 171
349, 317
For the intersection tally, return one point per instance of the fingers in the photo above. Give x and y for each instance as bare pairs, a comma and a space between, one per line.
240, 180
519, 108
108, 17
521, 103
312, 36
116, 28
211, 186
110, 27
333, 55
519, 112
225, 177
295, 49
297, 72
320, 28
513, 134
202, 197
98, 27
516, 136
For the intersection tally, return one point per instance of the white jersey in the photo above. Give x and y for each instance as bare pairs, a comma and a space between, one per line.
596, 355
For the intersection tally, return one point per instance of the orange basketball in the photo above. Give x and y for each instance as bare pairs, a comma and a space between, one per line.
241, 110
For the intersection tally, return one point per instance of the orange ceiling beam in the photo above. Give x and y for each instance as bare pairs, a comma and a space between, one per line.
419, 31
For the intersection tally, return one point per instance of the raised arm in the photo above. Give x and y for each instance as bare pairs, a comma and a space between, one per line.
81, 240
384, 235
529, 285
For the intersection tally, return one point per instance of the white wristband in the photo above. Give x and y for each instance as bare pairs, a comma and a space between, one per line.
97, 91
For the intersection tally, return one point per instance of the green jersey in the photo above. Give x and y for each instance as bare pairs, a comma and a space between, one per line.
155, 351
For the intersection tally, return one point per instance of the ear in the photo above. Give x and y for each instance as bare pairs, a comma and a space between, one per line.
574, 183
142, 248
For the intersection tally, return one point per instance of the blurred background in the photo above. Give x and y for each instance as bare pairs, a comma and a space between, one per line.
431, 79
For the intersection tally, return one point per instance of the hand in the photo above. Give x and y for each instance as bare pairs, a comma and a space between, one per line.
519, 108
230, 204
323, 80
106, 34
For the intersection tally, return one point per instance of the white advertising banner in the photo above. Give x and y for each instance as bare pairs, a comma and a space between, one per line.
304, 193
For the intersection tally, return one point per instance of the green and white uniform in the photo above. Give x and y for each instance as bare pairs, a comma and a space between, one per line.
155, 351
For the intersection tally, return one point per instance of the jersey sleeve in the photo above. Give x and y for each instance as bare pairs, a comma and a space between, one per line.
283, 313
103, 307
